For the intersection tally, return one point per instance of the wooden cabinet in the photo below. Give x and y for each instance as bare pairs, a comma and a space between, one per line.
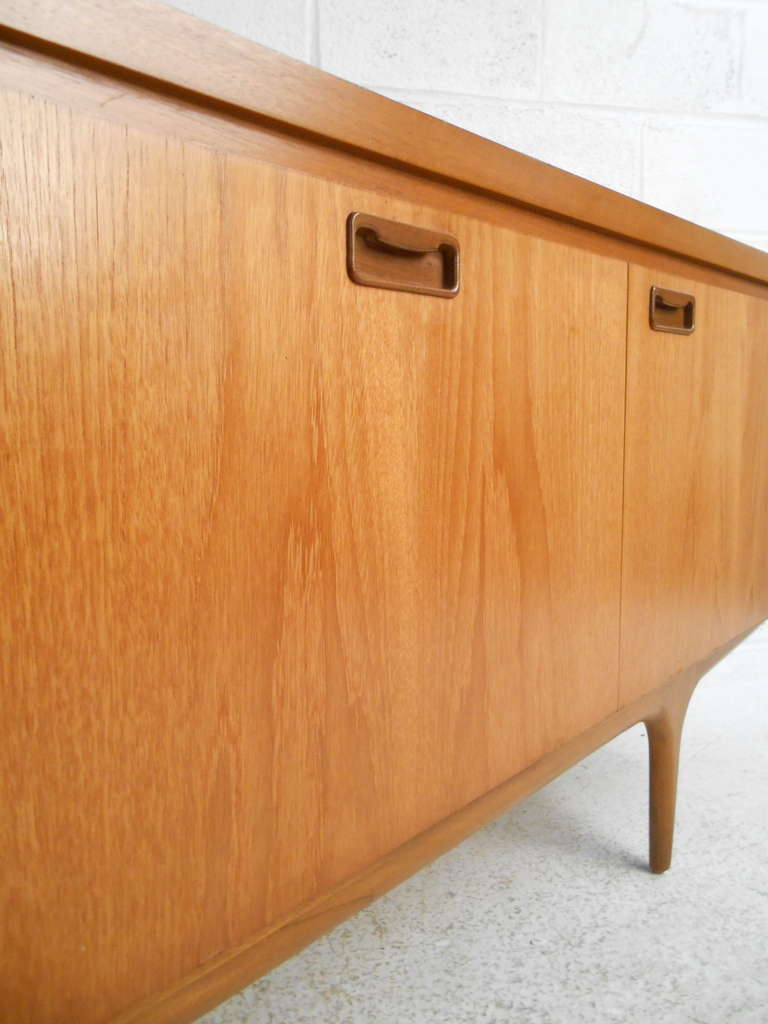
304, 567
696, 485
303, 581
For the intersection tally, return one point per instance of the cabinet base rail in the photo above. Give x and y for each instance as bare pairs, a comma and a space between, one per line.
663, 712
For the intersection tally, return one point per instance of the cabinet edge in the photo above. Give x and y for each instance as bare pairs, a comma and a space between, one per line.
170, 50
229, 972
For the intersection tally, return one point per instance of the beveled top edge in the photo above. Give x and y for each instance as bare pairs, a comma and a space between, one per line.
150, 39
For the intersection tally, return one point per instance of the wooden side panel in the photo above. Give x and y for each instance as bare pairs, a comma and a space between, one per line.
152, 39
696, 510
291, 568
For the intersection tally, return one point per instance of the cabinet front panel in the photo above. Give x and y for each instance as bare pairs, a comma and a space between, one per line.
292, 568
696, 490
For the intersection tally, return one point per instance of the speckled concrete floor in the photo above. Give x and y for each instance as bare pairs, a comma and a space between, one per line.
548, 916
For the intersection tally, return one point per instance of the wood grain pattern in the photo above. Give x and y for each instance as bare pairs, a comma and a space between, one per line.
133, 105
696, 487
292, 569
664, 731
175, 50
233, 970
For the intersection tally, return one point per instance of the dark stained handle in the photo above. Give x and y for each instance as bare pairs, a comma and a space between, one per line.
674, 312
387, 254
371, 237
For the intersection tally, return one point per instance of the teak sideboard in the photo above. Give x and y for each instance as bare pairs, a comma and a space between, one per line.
359, 476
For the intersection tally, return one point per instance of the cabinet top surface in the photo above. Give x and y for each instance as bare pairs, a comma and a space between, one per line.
174, 50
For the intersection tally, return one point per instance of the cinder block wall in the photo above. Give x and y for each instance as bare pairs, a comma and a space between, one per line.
666, 101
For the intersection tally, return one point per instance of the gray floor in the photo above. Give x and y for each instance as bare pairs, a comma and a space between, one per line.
548, 916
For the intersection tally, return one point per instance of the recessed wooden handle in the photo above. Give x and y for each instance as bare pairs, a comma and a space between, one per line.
674, 312
387, 254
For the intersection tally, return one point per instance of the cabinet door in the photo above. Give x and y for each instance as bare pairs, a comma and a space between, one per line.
293, 568
696, 491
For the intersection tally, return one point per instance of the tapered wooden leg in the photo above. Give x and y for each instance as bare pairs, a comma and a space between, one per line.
664, 732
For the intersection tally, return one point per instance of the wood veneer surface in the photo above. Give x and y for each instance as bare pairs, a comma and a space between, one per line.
175, 51
237, 967
696, 480
292, 568
134, 104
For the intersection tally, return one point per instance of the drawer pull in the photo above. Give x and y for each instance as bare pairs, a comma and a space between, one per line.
672, 311
386, 254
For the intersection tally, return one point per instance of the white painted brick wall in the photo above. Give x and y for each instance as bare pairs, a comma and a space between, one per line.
665, 100
280, 24
491, 49
640, 55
